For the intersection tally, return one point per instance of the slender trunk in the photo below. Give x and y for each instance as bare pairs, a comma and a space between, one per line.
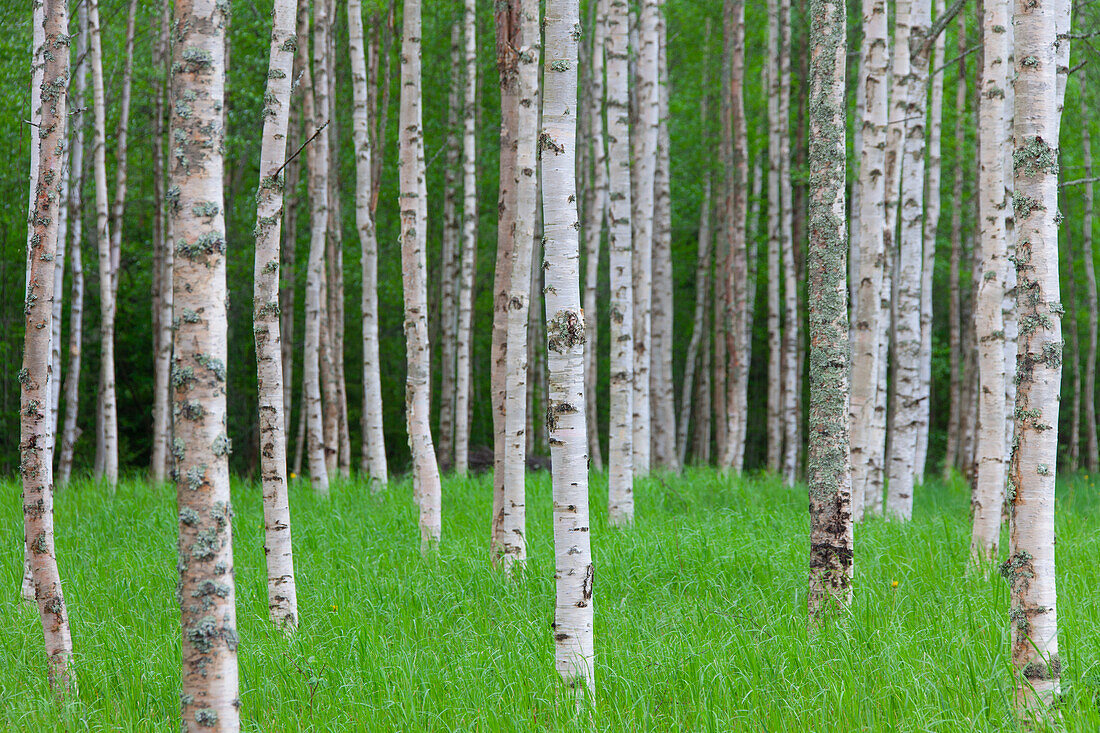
310, 364
595, 212
1030, 567
645, 134
828, 468
750, 298
702, 285
414, 225
200, 446
1073, 349
865, 353
509, 527
121, 134
336, 273
792, 342
905, 413
662, 402
735, 268
1092, 451
162, 353
332, 287
1008, 306
69, 431
988, 321
373, 462
933, 175
35, 449
448, 301
574, 571
954, 327
282, 597
107, 414
776, 131
384, 116
293, 199
620, 451
469, 242
316, 110
700, 447
508, 39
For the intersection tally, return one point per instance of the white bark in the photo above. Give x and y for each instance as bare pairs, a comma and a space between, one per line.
988, 320
1030, 567
1008, 307
414, 225
107, 414
374, 446
448, 266
620, 452
869, 281
663, 404
469, 242
645, 160
792, 343
76, 232
200, 445
776, 131
317, 162
163, 262
574, 571
510, 527
282, 597
35, 445
905, 413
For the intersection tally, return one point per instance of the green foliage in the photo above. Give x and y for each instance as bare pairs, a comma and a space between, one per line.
700, 616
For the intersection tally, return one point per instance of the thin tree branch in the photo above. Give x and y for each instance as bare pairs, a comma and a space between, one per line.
1078, 181
957, 59
939, 26
299, 150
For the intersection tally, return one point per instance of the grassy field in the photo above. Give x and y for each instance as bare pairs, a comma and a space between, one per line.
700, 617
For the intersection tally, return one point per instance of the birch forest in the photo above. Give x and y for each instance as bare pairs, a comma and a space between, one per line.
566, 365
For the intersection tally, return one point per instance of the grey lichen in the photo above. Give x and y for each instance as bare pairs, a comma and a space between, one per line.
222, 445
206, 717
1035, 157
564, 331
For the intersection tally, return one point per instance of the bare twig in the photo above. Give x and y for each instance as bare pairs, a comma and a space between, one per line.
1078, 181
299, 150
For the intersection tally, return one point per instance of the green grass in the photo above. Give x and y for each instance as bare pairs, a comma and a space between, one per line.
700, 617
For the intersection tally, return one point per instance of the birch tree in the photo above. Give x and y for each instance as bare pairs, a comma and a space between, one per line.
989, 323
209, 695
35, 448
107, 414
317, 164
452, 226
574, 570
1030, 567
872, 215
282, 599
620, 452
509, 525
905, 412
776, 131
373, 462
1092, 451
414, 226
79, 86
828, 470
645, 133
469, 240
792, 344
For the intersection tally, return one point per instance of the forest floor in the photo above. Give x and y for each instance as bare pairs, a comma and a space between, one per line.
700, 616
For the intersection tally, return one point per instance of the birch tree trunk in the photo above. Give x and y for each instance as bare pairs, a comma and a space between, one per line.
1030, 567
595, 212
954, 327
574, 571
776, 130
469, 242
1073, 348
733, 228
1092, 451
373, 462
663, 402
509, 525
69, 430
1008, 306
452, 226
107, 414
750, 298
620, 452
507, 40
121, 154
792, 344
35, 448
645, 134
865, 353
209, 695
988, 322
282, 598
163, 261
414, 226
933, 177
828, 468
